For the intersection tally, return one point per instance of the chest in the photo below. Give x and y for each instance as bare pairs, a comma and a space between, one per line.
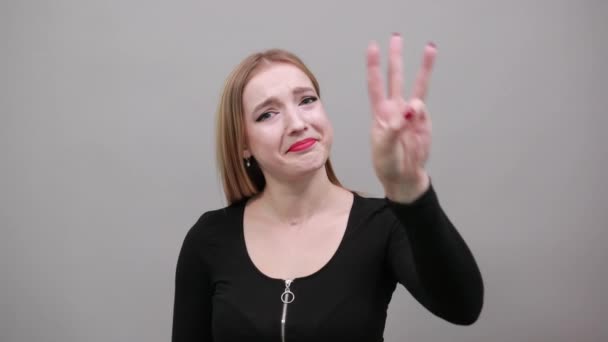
288, 252
340, 289
346, 301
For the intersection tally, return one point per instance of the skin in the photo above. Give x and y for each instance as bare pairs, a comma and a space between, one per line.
297, 184
295, 113
295, 225
401, 129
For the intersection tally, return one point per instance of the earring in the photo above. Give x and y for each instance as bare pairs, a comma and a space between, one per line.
247, 162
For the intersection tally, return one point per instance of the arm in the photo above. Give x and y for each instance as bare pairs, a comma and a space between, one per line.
428, 256
192, 303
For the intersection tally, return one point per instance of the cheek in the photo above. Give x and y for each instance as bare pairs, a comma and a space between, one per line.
323, 124
262, 141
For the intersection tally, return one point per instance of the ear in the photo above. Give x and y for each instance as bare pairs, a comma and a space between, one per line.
246, 152
245, 147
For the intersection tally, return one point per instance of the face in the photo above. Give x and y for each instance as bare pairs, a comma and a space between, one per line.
287, 130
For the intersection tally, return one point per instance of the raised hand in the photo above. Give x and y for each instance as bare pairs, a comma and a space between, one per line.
401, 129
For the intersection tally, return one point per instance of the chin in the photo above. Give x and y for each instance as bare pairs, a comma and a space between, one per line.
307, 167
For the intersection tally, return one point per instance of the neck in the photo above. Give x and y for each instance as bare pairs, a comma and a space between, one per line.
294, 202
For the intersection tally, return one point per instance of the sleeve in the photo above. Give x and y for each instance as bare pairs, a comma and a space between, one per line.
192, 302
428, 256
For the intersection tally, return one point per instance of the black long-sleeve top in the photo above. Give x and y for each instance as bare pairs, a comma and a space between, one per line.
221, 296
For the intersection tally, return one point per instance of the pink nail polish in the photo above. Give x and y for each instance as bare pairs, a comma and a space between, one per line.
409, 114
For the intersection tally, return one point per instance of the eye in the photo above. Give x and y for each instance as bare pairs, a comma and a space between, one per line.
308, 100
264, 116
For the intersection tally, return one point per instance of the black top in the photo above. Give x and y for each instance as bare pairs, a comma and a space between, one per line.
221, 296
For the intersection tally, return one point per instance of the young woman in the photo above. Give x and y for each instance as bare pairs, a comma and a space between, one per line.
295, 256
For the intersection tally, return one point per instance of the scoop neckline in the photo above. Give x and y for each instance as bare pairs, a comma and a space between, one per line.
252, 265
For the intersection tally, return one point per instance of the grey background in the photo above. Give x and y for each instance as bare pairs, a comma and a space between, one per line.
107, 152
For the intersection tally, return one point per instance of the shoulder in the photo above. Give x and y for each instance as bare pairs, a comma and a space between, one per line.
426, 199
214, 223
371, 210
388, 211
368, 203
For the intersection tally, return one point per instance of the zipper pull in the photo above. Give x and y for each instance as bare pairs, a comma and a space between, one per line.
287, 296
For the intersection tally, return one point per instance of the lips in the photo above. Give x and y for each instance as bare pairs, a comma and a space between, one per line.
302, 145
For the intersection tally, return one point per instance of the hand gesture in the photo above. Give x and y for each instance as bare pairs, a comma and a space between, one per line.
401, 130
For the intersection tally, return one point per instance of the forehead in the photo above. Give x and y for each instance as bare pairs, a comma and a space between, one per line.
274, 80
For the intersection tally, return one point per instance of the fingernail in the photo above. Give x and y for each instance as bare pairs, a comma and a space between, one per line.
396, 34
431, 44
409, 114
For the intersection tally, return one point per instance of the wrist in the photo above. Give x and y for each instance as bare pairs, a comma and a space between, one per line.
408, 193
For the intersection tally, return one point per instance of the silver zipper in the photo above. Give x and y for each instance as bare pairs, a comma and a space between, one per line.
286, 297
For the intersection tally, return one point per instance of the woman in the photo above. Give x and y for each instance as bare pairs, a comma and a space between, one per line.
295, 256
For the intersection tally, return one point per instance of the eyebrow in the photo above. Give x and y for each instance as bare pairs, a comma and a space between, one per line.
274, 100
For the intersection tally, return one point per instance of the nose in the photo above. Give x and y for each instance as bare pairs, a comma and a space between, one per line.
295, 122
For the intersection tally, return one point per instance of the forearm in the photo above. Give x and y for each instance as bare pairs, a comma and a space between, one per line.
445, 266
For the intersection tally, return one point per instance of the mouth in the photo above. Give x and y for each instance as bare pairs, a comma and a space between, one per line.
302, 145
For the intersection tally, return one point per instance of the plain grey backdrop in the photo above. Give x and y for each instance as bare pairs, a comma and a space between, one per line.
107, 152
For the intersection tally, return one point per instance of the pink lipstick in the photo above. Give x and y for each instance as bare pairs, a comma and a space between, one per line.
302, 145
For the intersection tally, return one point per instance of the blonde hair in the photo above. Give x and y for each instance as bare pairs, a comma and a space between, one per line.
242, 182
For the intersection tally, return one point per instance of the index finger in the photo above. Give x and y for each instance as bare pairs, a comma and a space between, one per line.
424, 74
375, 85
395, 67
